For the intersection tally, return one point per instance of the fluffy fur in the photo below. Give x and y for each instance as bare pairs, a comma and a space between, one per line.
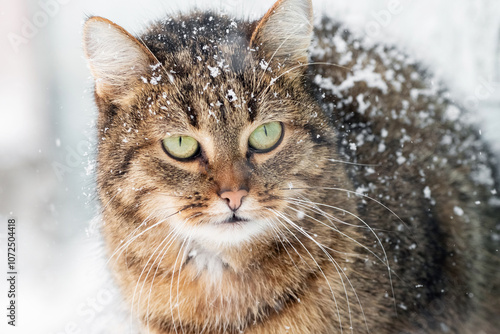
370, 216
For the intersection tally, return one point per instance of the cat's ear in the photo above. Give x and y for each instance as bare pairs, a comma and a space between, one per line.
117, 59
285, 33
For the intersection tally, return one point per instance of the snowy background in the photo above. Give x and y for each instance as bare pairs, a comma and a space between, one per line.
47, 117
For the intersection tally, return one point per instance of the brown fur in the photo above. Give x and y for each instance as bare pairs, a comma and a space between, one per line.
326, 272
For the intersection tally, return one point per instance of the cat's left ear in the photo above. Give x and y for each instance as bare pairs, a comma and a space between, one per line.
284, 33
117, 59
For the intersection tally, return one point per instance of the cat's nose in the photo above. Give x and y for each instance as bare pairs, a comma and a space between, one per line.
234, 198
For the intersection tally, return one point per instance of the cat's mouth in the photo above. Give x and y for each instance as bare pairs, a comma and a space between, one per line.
234, 220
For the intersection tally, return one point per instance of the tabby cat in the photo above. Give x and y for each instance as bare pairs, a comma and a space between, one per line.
276, 177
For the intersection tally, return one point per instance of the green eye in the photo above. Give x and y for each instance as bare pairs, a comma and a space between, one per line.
266, 137
181, 147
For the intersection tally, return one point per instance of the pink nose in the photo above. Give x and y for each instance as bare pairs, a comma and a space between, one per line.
234, 198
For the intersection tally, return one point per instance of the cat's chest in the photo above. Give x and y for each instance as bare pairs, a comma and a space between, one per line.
205, 264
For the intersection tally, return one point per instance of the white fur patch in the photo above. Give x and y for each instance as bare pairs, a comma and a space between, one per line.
220, 234
217, 233
210, 262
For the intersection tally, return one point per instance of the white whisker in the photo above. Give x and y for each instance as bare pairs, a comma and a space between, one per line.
386, 262
337, 267
353, 163
126, 244
163, 252
351, 192
279, 214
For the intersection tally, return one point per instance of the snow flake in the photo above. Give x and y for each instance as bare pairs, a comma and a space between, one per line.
483, 175
231, 95
446, 140
340, 44
427, 192
452, 113
401, 159
381, 147
458, 211
155, 80
362, 105
214, 71
444, 327
345, 58
264, 64
361, 190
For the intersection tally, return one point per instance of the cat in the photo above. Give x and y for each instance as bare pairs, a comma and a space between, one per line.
276, 177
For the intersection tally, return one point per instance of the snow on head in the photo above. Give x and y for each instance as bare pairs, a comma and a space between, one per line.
231, 95
214, 71
452, 113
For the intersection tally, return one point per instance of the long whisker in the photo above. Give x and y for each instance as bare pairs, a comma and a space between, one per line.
131, 234
353, 163
163, 252
171, 286
305, 203
344, 235
386, 262
299, 229
350, 192
308, 204
142, 273
337, 267
293, 247
317, 264
280, 237
137, 236
179, 278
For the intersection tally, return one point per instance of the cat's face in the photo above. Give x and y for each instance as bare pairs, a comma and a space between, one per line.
192, 158
212, 138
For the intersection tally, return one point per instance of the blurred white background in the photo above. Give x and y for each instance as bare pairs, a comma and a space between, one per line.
47, 118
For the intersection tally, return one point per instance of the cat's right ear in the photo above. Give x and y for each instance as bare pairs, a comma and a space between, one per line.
117, 59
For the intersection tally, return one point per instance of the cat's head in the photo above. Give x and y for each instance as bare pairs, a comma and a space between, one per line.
206, 124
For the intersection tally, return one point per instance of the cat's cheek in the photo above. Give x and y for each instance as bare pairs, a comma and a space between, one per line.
160, 206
